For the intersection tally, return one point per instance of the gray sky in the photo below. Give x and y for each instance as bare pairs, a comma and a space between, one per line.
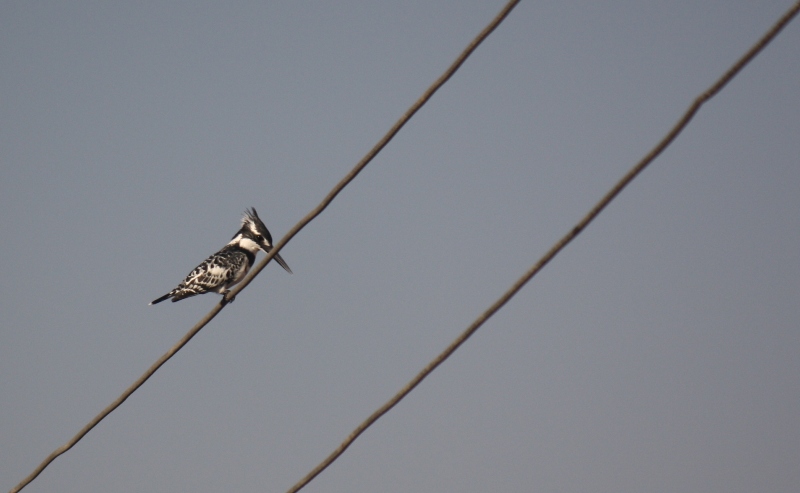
660, 352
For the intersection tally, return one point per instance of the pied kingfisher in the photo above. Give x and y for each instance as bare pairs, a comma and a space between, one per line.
228, 266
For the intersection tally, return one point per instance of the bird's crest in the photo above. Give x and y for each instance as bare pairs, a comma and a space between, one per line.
252, 222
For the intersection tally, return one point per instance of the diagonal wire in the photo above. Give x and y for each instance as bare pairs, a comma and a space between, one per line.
699, 101
385, 140
292, 232
559, 245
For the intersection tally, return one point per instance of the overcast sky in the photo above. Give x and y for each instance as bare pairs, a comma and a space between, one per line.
660, 352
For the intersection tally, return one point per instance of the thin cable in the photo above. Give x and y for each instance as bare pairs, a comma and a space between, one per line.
292, 232
382, 143
557, 247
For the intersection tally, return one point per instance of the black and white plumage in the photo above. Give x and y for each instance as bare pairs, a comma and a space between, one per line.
228, 266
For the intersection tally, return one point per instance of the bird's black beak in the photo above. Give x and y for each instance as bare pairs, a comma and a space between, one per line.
282, 263
277, 258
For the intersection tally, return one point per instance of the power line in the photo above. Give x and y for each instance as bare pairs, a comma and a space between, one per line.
497, 305
292, 232
558, 246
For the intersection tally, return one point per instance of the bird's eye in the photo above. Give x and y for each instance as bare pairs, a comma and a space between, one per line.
260, 238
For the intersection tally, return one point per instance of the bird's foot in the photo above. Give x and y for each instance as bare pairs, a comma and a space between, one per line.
227, 297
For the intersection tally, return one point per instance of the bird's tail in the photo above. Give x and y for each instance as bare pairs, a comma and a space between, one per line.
159, 300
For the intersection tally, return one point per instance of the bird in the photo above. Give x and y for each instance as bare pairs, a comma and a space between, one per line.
228, 266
